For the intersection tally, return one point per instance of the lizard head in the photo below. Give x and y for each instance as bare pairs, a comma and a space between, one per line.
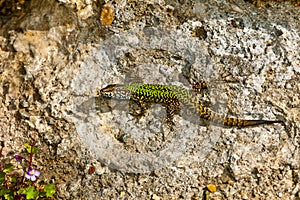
114, 91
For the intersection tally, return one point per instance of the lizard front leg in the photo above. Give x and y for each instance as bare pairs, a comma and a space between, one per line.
172, 108
138, 109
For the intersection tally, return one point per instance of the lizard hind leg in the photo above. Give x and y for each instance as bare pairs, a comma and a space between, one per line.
199, 87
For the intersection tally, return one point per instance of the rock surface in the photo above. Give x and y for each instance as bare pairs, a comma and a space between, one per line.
56, 54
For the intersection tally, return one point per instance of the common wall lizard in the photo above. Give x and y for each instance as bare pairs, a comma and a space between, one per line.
172, 97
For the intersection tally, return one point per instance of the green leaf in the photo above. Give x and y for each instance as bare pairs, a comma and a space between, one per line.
9, 196
22, 191
8, 168
2, 177
13, 179
34, 149
27, 144
32, 193
49, 189
42, 194
4, 191
30, 148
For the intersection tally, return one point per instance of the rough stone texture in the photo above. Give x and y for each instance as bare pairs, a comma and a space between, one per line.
55, 55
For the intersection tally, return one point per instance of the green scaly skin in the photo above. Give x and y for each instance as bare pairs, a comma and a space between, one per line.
172, 97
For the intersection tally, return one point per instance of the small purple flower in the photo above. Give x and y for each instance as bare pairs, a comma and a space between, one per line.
19, 158
31, 174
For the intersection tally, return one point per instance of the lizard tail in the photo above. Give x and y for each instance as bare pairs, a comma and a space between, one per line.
217, 119
246, 123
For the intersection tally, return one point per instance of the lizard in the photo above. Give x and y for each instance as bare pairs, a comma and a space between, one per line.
172, 98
